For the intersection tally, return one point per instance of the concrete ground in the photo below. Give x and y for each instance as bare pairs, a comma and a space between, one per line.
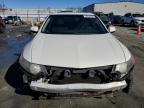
11, 96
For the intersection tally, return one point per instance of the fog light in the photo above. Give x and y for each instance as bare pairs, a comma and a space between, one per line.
25, 79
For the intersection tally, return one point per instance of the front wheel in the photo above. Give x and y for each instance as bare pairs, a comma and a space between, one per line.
132, 24
123, 23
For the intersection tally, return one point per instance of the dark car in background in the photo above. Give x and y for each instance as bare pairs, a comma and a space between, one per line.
117, 19
106, 20
2, 25
12, 19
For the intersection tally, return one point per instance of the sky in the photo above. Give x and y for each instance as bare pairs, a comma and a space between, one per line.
54, 3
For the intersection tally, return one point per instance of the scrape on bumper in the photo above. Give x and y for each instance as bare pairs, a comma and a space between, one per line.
78, 87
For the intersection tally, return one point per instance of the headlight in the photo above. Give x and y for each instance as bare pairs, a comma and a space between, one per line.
31, 67
125, 67
137, 20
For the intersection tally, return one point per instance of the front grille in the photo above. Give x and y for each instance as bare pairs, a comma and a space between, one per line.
59, 75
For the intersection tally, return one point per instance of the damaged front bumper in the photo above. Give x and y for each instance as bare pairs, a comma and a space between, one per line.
37, 83
77, 87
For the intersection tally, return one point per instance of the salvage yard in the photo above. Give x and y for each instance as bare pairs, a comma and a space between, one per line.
12, 96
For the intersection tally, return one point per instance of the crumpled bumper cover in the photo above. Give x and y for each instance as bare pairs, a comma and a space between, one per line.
77, 87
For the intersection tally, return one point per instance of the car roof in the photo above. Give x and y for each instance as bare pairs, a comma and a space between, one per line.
72, 13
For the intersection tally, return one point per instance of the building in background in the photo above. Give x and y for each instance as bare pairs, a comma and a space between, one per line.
39, 14
118, 8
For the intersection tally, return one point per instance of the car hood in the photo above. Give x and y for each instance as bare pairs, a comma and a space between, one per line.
77, 51
139, 18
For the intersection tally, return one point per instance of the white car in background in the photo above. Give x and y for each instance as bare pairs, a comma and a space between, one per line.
133, 19
75, 52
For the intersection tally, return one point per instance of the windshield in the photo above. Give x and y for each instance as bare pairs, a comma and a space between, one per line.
73, 24
137, 15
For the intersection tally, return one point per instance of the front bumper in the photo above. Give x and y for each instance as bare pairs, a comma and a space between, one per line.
141, 23
77, 87
36, 83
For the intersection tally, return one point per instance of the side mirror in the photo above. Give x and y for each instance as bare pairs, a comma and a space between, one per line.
112, 29
34, 29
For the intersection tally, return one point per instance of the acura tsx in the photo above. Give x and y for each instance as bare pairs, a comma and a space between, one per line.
75, 52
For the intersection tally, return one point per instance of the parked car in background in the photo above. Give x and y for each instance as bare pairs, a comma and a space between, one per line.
117, 19
2, 25
104, 18
133, 19
12, 20
75, 52
110, 16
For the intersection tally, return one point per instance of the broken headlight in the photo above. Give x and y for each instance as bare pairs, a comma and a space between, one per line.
125, 67
31, 67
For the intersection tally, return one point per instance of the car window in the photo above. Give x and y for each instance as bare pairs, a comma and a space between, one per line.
73, 24
128, 15
137, 15
10, 17
125, 15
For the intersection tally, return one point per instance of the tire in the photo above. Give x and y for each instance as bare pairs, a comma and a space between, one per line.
129, 81
132, 24
122, 22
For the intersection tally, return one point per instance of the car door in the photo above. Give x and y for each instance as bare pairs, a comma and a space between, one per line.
129, 18
125, 18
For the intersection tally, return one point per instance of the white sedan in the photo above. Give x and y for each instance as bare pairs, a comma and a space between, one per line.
75, 52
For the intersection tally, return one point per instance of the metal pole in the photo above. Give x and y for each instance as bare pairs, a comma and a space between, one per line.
3, 9
27, 14
38, 14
